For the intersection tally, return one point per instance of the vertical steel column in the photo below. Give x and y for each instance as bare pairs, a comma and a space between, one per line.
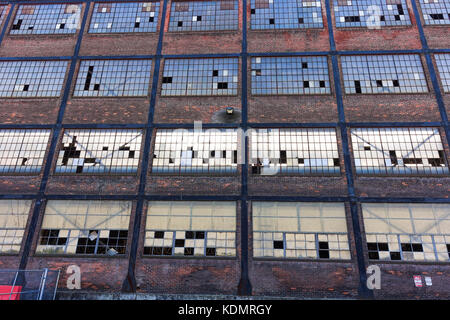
129, 284
363, 291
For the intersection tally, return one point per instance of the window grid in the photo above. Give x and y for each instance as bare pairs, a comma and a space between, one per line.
13, 219
443, 65
285, 14
383, 74
47, 19
124, 17
30, 79
294, 151
188, 151
204, 15
94, 151
22, 151
113, 78
404, 151
290, 75
2, 13
202, 243
85, 227
371, 13
200, 77
291, 245
191, 229
435, 12
300, 230
407, 232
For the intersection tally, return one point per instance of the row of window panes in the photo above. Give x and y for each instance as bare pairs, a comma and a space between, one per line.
361, 74
287, 230
116, 17
403, 151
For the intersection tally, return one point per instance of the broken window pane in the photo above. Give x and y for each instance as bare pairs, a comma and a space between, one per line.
94, 151
113, 78
294, 151
22, 151
286, 14
200, 77
47, 19
32, 78
194, 228
300, 230
13, 219
204, 15
398, 151
290, 75
119, 17
85, 227
187, 151
383, 74
407, 231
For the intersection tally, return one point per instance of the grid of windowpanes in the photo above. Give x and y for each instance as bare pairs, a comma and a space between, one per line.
22, 150
85, 227
113, 78
289, 75
47, 19
195, 228
407, 231
95, 151
435, 12
200, 77
27, 79
124, 17
443, 65
188, 151
398, 151
2, 13
13, 219
204, 15
383, 74
294, 151
371, 13
300, 230
285, 14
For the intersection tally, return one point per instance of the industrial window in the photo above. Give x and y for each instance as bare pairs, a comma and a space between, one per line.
97, 151
85, 227
285, 14
290, 75
200, 77
124, 17
371, 13
2, 13
443, 64
298, 230
13, 219
47, 19
113, 78
435, 11
383, 74
407, 231
22, 151
204, 15
26, 79
191, 229
188, 151
398, 151
294, 151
